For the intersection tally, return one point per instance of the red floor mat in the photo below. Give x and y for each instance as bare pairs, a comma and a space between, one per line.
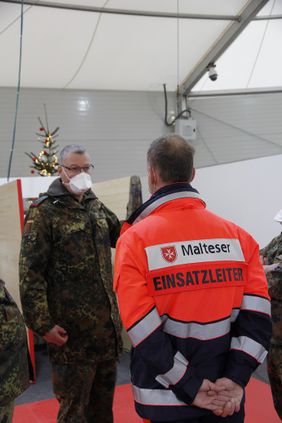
259, 407
46, 411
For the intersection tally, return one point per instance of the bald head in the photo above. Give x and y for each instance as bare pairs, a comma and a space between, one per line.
172, 158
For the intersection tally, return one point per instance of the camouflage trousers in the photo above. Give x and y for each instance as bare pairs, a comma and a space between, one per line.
85, 391
6, 413
274, 362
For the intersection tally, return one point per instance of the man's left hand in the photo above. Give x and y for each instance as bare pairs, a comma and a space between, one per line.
229, 397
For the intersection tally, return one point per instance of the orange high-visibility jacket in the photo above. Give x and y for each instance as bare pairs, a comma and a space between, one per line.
193, 298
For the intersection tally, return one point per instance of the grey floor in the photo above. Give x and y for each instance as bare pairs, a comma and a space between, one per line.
42, 389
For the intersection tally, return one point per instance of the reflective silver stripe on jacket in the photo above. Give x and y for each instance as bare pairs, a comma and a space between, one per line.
234, 314
254, 303
165, 199
145, 327
175, 373
199, 331
250, 347
156, 397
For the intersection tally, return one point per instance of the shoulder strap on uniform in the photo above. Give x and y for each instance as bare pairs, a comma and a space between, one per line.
38, 201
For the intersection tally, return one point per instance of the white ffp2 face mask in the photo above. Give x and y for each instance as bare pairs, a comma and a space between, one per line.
80, 183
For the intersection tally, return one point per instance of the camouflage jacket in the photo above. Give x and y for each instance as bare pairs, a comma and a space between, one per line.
14, 371
66, 274
273, 254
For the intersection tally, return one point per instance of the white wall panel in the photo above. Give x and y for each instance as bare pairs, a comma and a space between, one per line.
118, 126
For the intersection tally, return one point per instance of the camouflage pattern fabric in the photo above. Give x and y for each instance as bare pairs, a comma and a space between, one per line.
275, 352
135, 195
66, 274
273, 254
6, 413
14, 370
85, 392
273, 251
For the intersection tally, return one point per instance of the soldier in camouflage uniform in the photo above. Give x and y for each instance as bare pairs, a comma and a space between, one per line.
14, 371
272, 258
66, 289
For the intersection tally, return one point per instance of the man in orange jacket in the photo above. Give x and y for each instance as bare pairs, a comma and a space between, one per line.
193, 298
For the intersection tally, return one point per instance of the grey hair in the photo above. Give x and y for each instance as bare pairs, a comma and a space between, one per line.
172, 156
72, 148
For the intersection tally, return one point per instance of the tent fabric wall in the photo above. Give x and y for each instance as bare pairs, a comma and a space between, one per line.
117, 127
251, 61
90, 50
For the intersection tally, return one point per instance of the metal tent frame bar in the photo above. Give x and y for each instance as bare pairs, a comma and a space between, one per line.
130, 12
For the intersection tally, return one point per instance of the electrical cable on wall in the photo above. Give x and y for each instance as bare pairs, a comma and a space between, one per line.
17, 96
177, 47
176, 117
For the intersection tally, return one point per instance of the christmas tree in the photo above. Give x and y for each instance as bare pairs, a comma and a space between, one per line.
45, 163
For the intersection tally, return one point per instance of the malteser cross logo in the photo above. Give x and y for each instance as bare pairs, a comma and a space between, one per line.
169, 254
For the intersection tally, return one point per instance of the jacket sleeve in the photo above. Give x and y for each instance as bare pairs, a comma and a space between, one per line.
34, 256
265, 251
113, 224
251, 331
144, 325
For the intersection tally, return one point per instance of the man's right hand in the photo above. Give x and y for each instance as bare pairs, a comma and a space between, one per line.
57, 335
226, 388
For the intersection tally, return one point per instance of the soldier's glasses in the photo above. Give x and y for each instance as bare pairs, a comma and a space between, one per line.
77, 169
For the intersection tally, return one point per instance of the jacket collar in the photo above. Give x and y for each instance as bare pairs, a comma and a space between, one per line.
162, 196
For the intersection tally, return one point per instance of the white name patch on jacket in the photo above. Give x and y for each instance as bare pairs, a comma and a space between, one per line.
196, 251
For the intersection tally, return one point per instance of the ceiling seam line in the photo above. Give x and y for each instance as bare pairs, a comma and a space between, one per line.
87, 50
16, 19
260, 47
207, 146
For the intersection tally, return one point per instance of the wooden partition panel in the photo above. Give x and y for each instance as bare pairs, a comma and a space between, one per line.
11, 227
11, 224
114, 194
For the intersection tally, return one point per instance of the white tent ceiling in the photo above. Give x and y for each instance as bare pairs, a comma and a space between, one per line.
254, 60
85, 49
